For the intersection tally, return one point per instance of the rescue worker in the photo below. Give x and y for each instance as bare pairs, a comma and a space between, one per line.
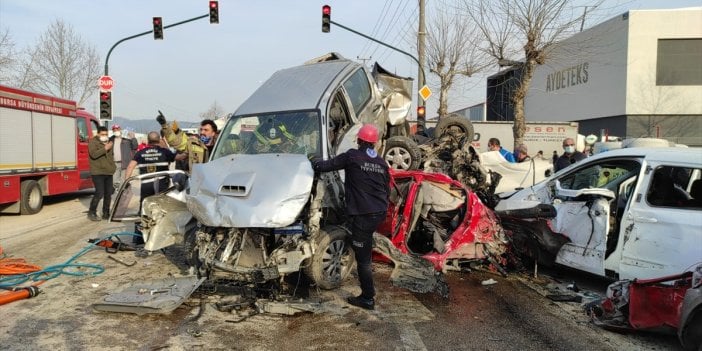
494, 145
197, 150
367, 188
570, 155
124, 151
102, 167
273, 136
153, 158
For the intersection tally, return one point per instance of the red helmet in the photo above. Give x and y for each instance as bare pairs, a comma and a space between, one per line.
116, 126
368, 133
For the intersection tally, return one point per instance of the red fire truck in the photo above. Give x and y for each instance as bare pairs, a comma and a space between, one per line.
43, 149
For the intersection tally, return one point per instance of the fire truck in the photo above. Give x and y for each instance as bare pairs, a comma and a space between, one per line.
43, 149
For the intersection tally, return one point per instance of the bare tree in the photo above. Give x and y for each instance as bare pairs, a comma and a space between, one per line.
215, 111
529, 26
61, 64
7, 56
452, 51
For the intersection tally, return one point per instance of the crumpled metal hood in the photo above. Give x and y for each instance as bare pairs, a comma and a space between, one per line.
240, 191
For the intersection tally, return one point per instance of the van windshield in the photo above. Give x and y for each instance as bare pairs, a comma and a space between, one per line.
293, 132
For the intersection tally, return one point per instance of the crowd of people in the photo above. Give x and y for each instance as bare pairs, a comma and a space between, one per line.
114, 159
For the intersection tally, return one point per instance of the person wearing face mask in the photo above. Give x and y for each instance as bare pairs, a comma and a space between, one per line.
194, 149
124, 151
570, 155
102, 167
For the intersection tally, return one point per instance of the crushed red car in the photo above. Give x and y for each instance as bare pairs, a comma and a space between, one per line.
439, 219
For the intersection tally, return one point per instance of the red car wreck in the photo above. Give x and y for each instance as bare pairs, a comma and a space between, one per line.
439, 219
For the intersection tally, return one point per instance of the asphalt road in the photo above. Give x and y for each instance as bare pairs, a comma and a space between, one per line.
512, 314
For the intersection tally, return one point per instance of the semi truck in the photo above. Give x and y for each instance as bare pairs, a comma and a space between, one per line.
43, 149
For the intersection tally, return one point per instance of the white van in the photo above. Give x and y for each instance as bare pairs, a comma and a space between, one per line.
627, 213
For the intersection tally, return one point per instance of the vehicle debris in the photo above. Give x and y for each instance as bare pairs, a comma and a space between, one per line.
488, 282
412, 273
153, 296
659, 305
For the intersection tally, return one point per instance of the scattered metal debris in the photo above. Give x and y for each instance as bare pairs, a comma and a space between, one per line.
154, 296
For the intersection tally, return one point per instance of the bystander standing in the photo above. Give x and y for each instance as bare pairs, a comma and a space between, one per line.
570, 155
102, 167
124, 149
494, 145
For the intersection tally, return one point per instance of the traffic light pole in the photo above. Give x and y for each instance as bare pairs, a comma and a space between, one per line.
421, 69
107, 59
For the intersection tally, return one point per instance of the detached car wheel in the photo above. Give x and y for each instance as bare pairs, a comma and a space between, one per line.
31, 199
402, 153
455, 123
333, 259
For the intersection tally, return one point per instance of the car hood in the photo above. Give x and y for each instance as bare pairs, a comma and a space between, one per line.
267, 190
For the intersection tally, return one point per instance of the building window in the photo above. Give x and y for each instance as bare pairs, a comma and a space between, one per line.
679, 62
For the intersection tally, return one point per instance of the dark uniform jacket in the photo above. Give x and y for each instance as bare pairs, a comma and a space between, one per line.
367, 182
101, 162
567, 160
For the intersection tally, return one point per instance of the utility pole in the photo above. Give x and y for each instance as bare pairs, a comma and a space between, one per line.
421, 33
364, 59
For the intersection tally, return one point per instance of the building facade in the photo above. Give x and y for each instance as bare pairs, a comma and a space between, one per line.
636, 75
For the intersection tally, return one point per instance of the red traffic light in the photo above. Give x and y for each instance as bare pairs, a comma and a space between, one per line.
104, 96
158, 28
421, 111
214, 12
326, 18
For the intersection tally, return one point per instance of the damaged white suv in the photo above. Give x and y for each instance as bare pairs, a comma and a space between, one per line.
625, 214
256, 211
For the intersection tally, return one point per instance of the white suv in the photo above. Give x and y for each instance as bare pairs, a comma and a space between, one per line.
628, 213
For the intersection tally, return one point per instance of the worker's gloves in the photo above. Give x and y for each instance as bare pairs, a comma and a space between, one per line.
161, 119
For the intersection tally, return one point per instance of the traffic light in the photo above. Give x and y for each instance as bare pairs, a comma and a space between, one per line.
106, 105
214, 12
421, 112
158, 28
326, 18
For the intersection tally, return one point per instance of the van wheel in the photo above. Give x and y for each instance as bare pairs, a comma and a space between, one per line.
455, 123
332, 260
31, 199
402, 153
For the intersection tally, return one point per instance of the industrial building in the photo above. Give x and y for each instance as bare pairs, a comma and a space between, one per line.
638, 74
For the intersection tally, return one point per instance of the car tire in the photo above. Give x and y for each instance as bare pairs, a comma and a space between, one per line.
332, 261
402, 153
31, 199
691, 337
454, 122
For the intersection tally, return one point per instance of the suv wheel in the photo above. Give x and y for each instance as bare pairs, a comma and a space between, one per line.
402, 153
332, 260
455, 123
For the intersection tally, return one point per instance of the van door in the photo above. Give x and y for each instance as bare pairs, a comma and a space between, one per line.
586, 208
661, 227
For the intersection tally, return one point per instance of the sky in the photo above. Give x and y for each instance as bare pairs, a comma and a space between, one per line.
199, 63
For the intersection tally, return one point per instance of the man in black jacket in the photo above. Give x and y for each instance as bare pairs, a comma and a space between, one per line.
367, 188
